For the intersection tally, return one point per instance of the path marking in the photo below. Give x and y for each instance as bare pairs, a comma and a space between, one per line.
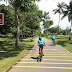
50, 52
49, 59
47, 49
51, 56
42, 63
44, 67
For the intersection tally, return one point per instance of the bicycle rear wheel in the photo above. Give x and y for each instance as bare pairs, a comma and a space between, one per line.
40, 60
41, 55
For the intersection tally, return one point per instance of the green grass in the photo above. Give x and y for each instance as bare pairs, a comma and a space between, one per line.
64, 42
13, 54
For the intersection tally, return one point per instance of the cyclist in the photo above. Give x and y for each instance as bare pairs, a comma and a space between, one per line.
53, 38
41, 44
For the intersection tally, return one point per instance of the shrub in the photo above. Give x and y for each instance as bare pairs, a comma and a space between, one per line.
42, 35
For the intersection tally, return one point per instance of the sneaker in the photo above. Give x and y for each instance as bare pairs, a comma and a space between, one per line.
43, 54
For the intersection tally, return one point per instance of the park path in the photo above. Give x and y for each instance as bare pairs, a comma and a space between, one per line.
56, 59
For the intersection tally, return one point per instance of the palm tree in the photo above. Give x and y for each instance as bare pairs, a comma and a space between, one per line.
68, 12
59, 10
47, 22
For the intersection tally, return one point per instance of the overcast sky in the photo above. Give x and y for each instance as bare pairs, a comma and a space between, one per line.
48, 6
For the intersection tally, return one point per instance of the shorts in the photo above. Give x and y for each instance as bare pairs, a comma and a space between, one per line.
41, 46
53, 39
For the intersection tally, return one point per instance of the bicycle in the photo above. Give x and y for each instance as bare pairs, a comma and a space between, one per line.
54, 42
40, 55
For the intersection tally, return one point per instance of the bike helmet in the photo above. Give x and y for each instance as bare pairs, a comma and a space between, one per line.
40, 38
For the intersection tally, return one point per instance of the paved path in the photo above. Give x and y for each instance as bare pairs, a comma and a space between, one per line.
56, 59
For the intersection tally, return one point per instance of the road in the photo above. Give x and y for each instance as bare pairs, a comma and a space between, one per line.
55, 59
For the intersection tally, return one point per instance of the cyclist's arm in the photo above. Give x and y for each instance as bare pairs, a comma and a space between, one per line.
44, 43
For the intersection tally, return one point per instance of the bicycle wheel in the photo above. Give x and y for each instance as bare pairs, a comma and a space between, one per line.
53, 42
41, 55
40, 59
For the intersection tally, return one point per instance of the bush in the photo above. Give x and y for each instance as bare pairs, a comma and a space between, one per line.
42, 35
61, 33
9, 35
51, 33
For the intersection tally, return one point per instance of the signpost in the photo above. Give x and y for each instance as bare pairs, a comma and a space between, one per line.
1, 18
2, 15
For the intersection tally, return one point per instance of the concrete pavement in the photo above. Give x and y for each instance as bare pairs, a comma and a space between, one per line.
55, 59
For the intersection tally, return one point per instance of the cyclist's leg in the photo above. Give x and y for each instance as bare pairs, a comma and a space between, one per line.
42, 51
54, 41
41, 47
39, 50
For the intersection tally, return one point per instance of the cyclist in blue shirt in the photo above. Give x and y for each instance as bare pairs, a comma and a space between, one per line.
41, 44
53, 38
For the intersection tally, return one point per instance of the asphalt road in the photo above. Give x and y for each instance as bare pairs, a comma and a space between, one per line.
55, 59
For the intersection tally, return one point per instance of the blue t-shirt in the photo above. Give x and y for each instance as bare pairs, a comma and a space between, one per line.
40, 42
53, 37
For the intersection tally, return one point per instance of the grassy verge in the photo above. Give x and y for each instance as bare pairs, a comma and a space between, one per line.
63, 41
9, 54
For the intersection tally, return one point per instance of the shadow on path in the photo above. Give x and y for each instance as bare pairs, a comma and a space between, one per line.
34, 57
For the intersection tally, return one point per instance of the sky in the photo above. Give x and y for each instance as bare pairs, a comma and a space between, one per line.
49, 6
3, 2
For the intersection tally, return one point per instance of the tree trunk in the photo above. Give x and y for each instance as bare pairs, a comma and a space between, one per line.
22, 34
32, 33
47, 33
70, 31
58, 23
71, 26
17, 36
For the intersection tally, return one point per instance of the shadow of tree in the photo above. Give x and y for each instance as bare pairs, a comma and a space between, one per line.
11, 53
7, 49
61, 43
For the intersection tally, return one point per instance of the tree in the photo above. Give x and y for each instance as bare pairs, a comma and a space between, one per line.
59, 10
9, 20
67, 30
19, 4
33, 18
52, 30
68, 12
46, 22
30, 19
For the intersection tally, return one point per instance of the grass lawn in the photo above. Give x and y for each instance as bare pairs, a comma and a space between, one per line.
64, 42
9, 54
